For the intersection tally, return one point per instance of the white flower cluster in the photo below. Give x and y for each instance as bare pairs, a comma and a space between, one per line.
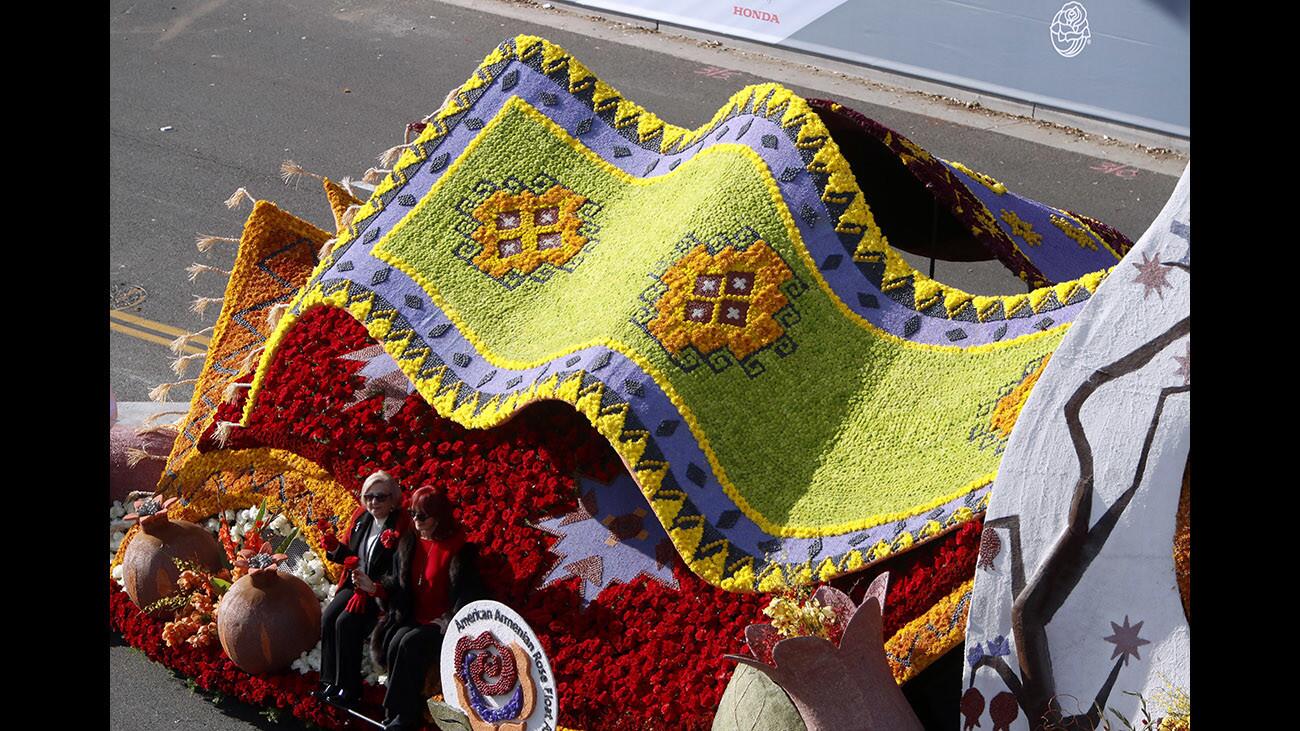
117, 529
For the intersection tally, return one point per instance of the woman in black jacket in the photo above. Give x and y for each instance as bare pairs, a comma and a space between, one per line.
433, 576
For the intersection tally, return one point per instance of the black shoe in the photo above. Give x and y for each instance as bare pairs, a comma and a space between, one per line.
325, 692
346, 698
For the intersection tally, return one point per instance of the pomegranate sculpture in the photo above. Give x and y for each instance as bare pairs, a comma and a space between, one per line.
268, 617
149, 572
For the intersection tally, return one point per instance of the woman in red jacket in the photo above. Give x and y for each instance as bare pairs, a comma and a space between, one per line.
435, 576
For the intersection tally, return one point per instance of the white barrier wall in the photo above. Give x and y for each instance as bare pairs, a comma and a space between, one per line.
1122, 61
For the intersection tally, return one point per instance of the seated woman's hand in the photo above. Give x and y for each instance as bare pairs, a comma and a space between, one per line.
363, 582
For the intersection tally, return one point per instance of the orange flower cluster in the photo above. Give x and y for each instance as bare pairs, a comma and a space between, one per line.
195, 623
522, 232
724, 299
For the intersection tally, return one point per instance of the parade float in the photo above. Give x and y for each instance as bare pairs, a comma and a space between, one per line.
703, 422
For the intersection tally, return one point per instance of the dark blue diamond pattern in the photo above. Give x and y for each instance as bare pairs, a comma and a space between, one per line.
695, 474
667, 427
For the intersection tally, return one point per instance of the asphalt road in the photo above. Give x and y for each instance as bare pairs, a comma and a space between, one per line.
207, 97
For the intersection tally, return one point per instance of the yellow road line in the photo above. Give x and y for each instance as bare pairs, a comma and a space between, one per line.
149, 336
156, 326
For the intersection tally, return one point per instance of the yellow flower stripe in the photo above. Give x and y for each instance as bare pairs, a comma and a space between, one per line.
986, 180
929, 636
1022, 228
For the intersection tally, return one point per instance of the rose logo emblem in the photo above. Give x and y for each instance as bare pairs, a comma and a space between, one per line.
485, 667
1070, 30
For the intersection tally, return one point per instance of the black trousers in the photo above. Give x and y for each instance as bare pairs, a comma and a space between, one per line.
343, 637
411, 651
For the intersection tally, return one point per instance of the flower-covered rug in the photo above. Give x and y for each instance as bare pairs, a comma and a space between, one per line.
793, 399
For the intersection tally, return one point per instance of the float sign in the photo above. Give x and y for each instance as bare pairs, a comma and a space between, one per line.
495, 671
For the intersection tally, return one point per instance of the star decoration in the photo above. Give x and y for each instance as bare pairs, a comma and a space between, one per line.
1126, 640
1185, 366
1152, 275
383, 377
610, 538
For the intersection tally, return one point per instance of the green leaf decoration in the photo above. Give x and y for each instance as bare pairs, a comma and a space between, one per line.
284, 545
447, 718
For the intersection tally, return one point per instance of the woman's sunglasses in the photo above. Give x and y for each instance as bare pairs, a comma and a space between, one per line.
418, 516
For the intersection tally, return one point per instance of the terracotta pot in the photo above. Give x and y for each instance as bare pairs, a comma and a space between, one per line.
147, 568
266, 620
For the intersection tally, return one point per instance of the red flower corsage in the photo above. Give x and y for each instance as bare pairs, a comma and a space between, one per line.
389, 538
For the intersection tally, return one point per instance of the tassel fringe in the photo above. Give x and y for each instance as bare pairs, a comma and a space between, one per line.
200, 304
374, 175
147, 424
249, 357
390, 156
135, 456
161, 391
290, 171
349, 214
222, 434
182, 363
274, 314
178, 344
353, 186
205, 243
232, 391
240, 195
160, 430
196, 269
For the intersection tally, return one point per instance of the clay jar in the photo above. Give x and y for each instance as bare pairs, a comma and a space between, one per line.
147, 569
266, 620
